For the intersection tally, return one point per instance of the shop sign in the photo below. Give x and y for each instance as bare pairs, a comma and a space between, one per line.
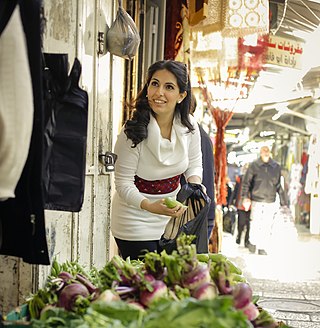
284, 52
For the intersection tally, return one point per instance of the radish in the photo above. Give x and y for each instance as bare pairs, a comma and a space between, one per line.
159, 290
70, 293
242, 295
251, 311
198, 276
86, 282
65, 276
107, 296
206, 291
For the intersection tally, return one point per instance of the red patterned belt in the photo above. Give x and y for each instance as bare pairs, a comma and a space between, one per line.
157, 186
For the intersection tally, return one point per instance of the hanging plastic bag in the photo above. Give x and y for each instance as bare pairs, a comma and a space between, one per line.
123, 36
194, 220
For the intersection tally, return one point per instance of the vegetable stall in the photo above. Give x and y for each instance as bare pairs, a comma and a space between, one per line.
181, 289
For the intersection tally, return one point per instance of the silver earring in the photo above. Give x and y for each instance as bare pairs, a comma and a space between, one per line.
146, 96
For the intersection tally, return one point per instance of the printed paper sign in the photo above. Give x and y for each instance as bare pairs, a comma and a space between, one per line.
284, 52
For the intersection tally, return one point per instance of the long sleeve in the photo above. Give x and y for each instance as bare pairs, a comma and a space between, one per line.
195, 154
125, 170
246, 183
282, 194
234, 195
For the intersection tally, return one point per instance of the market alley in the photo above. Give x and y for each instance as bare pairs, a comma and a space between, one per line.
287, 280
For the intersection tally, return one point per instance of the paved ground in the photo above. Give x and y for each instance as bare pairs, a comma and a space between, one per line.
287, 280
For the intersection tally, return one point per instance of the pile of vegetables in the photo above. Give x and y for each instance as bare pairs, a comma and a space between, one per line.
161, 290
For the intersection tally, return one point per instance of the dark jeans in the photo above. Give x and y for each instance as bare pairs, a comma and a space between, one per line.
243, 222
136, 249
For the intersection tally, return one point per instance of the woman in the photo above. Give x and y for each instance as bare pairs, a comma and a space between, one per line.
159, 143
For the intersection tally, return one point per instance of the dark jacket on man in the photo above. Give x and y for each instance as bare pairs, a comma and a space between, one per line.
262, 182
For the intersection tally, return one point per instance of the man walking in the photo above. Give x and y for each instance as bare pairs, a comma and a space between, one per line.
260, 186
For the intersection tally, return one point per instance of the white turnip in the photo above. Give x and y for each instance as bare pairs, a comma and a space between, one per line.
251, 311
198, 276
107, 296
206, 291
242, 295
159, 290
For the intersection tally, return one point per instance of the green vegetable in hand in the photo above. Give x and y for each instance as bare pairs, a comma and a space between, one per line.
171, 203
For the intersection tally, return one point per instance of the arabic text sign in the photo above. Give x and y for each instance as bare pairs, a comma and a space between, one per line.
284, 52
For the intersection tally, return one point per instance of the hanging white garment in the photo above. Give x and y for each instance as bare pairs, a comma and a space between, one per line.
16, 105
313, 175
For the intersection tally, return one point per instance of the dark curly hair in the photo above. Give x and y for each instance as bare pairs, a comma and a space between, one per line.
136, 128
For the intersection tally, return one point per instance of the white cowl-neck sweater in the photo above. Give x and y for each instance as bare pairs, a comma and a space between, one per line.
155, 158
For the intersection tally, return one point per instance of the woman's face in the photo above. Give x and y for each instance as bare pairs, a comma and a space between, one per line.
163, 93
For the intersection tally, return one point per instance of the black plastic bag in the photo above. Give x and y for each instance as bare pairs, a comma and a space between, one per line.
194, 221
229, 220
66, 117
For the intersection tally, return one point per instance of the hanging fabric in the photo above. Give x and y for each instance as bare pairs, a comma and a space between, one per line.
22, 218
6, 9
211, 23
174, 30
222, 118
198, 10
240, 18
235, 18
66, 108
16, 105
183, 53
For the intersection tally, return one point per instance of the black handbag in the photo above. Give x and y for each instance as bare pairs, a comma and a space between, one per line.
194, 221
66, 117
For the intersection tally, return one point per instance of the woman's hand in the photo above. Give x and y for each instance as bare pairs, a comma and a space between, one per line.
197, 180
159, 207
